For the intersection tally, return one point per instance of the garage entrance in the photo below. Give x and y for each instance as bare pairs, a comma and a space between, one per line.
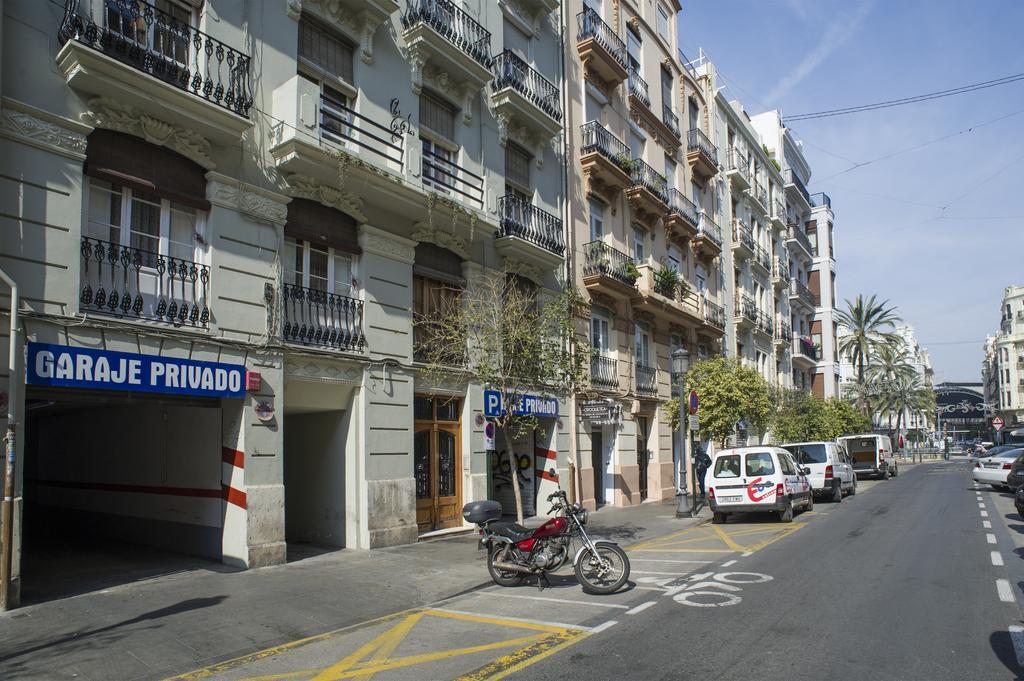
118, 487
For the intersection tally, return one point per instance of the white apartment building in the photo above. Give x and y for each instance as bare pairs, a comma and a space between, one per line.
1006, 366
223, 218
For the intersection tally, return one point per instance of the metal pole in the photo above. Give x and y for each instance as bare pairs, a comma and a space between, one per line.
7, 509
684, 510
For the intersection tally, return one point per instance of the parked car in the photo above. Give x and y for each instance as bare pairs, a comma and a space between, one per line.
755, 480
994, 470
831, 471
1015, 478
871, 454
995, 450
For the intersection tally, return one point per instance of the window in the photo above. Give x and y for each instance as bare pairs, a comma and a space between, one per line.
517, 167
670, 170
593, 107
322, 51
727, 466
759, 463
663, 19
600, 330
516, 41
157, 36
633, 49
786, 464
317, 267
666, 88
639, 237
437, 118
437, 115
674, 258
437, 286
807, 454
596, 219
702, 279
636, 144
643, 344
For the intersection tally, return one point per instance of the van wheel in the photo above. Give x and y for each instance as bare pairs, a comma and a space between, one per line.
837, 492
786, 515
884, 475
718, 518
853, 487
809, 506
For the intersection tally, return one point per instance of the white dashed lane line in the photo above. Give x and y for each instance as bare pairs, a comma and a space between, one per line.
601, 627
731, 562
997, 559
1005, 591
991, 538
986, 524
640, 608
567, 601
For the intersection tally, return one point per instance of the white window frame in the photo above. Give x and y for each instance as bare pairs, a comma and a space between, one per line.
664, 21
639, 245
600, 322
332, 254
150, 40
642, 343
598, 217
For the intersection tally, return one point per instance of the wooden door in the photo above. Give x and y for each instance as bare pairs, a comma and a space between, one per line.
436, 465
597, 461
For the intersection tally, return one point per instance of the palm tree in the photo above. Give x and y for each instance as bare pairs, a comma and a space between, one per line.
870, 324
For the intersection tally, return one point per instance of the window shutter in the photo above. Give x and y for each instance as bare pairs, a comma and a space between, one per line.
322, 226
132, 161
438, 263
517, 165
324, 50
438, 115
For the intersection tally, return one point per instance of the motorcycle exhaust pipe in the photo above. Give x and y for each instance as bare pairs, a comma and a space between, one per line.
512, 567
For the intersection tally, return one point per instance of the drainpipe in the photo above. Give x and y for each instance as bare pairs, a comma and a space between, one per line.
7, 510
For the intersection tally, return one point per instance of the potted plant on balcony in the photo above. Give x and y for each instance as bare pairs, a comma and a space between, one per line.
626, 163
631, 272
666, 281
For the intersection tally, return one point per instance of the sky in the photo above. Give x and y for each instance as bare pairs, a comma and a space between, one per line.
937, 228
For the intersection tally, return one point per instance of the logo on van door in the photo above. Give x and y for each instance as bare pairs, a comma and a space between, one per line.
759, 489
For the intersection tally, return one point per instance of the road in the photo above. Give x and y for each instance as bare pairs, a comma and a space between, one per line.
902, 581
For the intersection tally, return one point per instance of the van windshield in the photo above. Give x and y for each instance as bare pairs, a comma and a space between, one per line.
805, 454
727, 466
760, 463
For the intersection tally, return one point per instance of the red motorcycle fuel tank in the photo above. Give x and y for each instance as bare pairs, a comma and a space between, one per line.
551, 528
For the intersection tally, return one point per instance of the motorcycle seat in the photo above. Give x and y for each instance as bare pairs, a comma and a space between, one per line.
513, 531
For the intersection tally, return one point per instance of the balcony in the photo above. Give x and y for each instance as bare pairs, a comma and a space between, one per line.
525, 231
648, 193
604, 373
708, 240
604, 160
745, 311
139, 285
764, 324
737, 170
667, 302
325, 320
519, 92
1006, 326
780, 273
805, 355
714, 317
797, 236
701, 154
602, 52
742, 240
796, 188
138, 56
762, 259
442, 174
646, 380
439, 33
779, 213
759, 197
783, 335
312, 127
821, 200
638, 89
683, 217
671, 121
799, 292
609, 270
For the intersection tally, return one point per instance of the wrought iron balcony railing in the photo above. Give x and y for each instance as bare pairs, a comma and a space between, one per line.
133, 283
511, 71
340, 124
804, 346
453, 24
684, 207
598, 138
741, 234
710, 229
643, 175
646, 380
762, 257
638, 88
696, 140
603, 372
602, 259
328, 320
796, 233
149, 40
714, 315
737, 162
799, 289
765, 323
446, 176
792, 178
524, 220
745, 307
780, 270
783, 332
779, 209
759, 194
591, 26
670, 119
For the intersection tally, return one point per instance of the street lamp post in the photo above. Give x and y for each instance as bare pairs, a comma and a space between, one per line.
680, 365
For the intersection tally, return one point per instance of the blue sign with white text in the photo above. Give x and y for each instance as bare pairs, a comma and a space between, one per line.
528, 405
62, 366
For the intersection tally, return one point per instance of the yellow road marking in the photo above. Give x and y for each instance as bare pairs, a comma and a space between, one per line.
520, 659
726, 538
483, 619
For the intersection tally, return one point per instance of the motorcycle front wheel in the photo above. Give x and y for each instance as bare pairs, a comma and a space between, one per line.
502, 553
603, 570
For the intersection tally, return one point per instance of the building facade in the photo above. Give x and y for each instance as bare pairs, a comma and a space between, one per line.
280, 204
1005, 361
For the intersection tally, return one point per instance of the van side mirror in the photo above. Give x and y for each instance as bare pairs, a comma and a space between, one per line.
805, 471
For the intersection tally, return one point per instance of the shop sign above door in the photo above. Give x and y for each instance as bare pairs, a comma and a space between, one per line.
62, 366
527, 405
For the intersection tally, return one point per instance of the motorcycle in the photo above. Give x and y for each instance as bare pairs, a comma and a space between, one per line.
514, 553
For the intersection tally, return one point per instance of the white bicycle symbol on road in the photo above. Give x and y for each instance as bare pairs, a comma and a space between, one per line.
715, 590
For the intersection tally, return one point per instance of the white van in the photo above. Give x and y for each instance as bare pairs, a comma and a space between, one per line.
831, 473
871, 454
757, 480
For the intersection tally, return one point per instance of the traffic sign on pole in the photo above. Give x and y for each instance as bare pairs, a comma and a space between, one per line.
694, 403
997, 423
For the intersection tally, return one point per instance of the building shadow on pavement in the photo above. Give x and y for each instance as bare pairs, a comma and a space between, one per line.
1002, 646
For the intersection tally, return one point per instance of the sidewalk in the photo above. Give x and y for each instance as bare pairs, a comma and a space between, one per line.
175, 623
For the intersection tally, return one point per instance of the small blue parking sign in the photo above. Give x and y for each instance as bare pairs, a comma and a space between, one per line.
492, 403
526, 405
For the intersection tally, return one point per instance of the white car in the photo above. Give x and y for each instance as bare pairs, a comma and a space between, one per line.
871, 454
757, 480
993, 470
831, 473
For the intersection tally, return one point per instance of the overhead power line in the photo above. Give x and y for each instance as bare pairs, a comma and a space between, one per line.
1006, 80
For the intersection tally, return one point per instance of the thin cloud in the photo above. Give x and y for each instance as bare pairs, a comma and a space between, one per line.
834, 37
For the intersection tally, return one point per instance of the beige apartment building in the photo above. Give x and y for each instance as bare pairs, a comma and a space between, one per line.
1005, 361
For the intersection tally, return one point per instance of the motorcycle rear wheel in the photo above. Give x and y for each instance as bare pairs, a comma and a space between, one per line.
603, 573
502, 553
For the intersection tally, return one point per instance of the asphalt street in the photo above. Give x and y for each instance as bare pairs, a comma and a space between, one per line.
898, 582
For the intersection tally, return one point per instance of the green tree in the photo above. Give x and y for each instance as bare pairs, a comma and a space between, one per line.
502, 334
729, 392
839, 418
869, 324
